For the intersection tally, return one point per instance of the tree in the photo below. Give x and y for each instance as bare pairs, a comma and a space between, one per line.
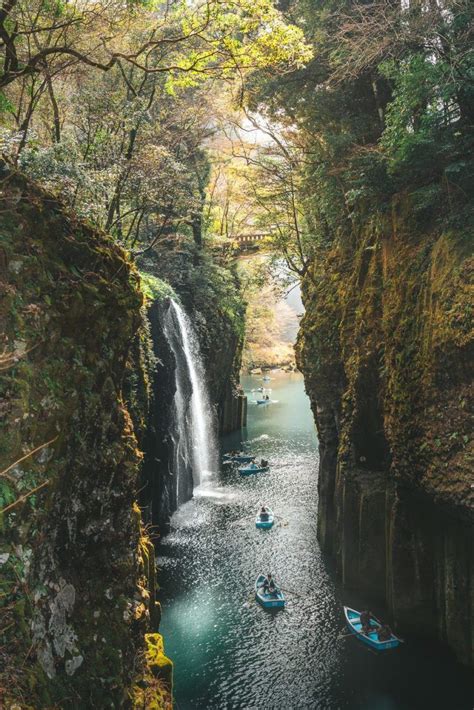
386, 105
104, 101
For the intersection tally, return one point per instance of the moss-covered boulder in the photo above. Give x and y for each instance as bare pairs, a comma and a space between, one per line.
154, 690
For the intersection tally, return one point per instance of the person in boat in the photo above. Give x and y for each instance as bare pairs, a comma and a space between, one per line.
384, 633
266, 398
264, 513
269, 585
272, 588
365, 617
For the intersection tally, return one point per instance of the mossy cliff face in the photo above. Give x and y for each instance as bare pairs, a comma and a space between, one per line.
158, 494
158, 489
386, 346
210, 294
74, 574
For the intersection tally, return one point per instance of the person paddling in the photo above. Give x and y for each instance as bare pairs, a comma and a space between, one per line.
264, 513
269, 585
384, 633
365, 617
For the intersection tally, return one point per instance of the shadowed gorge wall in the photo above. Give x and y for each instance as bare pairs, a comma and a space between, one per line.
210, 295
386, 347
77, 571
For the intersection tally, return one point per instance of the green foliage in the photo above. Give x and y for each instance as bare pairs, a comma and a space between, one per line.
125, 147
417, 134
155, 288
55, 8
386, 106
6, 105
7, 494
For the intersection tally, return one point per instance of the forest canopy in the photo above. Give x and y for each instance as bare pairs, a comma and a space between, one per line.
109, 103
288, 119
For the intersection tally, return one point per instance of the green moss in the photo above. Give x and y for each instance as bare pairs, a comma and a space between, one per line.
159, 664
72, 310
154, 689
155, 288
389, 318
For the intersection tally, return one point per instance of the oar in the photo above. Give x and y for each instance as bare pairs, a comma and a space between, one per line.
290, 591
345, 636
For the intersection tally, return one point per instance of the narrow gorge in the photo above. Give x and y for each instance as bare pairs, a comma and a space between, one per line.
236, 355
104, 396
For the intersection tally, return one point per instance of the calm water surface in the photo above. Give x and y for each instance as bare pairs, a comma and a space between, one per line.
228, 652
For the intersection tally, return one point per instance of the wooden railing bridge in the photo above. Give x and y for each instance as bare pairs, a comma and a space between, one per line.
250, 241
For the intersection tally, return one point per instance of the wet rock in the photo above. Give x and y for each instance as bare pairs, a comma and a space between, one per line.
73, 664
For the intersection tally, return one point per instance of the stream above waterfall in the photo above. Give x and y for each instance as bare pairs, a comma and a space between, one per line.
231, 654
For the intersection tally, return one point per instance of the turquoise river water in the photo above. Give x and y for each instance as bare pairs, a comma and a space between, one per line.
229, 653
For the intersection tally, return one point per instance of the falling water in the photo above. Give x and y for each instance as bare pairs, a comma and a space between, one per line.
194, 440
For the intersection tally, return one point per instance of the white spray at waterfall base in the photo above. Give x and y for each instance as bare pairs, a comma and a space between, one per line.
195, 436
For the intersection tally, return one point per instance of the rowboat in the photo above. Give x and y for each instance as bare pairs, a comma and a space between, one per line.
264, 520
275, 600
249, 470
370, 639
238, 458
263, 401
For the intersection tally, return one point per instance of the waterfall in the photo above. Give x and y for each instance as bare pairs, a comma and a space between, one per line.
193, 435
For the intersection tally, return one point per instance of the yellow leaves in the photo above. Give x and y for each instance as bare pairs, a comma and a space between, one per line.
280, 44
225, 37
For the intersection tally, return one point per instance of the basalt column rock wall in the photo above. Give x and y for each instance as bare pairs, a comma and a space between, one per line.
74, 561
386, 347
158, 495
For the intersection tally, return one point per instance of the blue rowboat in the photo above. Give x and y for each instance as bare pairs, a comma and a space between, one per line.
268, 601
370, 639
253, 468
264, 520
263, 401
239, 458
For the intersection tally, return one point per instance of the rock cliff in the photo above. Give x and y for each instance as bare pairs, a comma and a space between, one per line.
386, 347
77, 571
210, 295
